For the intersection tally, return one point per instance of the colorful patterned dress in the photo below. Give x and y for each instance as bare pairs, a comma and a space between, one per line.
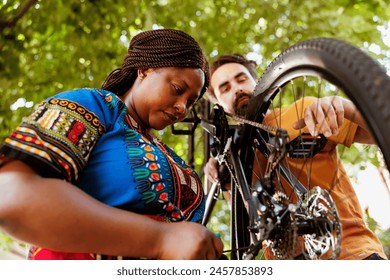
86, 137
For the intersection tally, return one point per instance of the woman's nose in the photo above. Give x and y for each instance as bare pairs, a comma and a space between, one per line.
180, 107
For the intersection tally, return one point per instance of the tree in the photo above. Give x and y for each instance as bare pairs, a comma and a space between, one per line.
50, 46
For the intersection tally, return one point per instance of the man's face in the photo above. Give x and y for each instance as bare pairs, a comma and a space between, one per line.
233, 86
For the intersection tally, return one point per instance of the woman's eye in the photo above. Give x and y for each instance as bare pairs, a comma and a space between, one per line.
178, 89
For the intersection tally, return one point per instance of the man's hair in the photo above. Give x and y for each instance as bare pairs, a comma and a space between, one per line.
232, 58
155, 49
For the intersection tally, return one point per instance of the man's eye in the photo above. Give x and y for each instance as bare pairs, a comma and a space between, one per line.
242, 79
223, 89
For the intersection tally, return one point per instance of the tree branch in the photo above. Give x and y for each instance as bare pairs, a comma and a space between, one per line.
12, 22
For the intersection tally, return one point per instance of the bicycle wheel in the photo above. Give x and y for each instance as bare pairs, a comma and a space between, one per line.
298, 77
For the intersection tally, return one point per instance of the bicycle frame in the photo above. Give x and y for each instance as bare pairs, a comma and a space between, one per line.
226, 148
262, 212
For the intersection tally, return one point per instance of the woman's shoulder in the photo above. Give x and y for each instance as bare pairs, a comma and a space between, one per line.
104, 104
88, 95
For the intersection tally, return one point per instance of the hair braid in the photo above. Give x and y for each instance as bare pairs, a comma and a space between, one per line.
155, 49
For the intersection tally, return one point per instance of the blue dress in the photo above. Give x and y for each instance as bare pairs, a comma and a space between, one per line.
86, 137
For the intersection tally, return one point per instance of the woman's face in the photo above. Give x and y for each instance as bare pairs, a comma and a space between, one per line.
163, 96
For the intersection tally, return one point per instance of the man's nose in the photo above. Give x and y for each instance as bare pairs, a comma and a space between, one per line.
237, 89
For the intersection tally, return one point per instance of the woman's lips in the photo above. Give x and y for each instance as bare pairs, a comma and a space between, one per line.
173, 118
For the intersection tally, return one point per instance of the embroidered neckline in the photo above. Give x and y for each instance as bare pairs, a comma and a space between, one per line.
133, 124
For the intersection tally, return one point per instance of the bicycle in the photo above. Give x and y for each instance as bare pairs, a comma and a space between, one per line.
278, 207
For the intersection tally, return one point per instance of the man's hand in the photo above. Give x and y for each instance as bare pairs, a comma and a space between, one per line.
324, 116
211, 170
327, 115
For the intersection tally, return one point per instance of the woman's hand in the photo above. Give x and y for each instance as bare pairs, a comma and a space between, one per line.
189, 241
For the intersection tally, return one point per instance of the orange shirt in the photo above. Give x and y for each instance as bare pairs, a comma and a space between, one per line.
358, 241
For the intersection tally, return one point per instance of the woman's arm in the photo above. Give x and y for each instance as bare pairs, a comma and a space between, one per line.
57, 215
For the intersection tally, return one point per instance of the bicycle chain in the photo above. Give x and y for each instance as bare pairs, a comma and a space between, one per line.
255, 124
279, 132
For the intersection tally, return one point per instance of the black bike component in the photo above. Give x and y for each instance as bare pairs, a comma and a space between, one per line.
313, 225
305, 145
192, 121
218, 128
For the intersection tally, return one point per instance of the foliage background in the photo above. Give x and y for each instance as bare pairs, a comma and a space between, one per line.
50, 46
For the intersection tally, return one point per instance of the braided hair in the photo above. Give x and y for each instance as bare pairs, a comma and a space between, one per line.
232, 58
155, 49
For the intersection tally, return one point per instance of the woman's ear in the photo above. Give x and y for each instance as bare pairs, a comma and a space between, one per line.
142, 73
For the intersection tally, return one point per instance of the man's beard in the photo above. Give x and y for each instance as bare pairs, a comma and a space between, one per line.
241, 103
